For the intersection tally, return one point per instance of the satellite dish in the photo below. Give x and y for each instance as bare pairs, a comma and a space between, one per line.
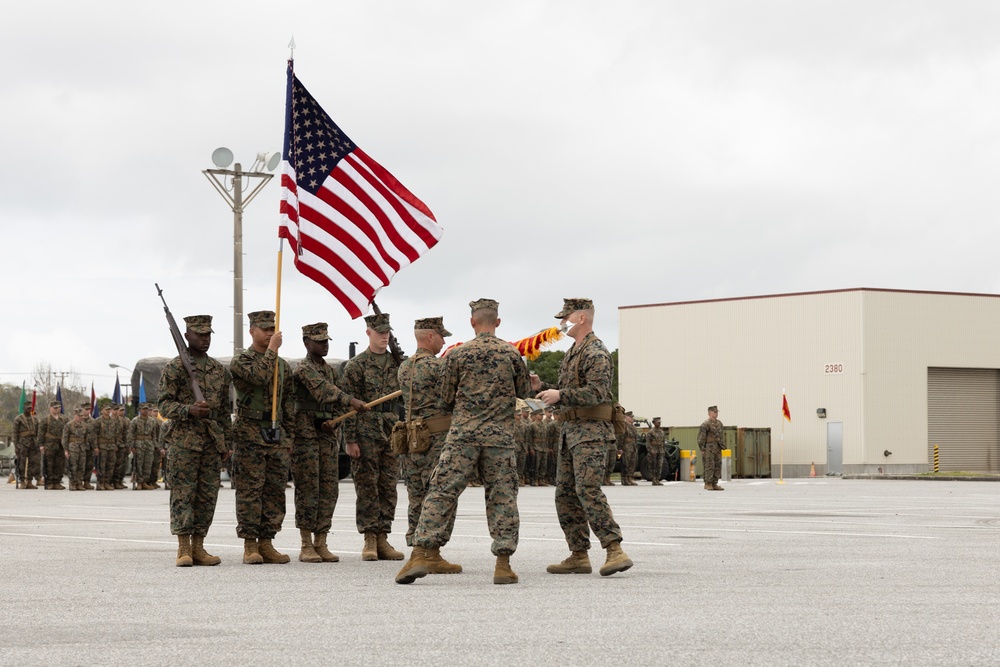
270, 160
222, 157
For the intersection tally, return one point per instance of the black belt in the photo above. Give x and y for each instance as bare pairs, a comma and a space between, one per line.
388, 406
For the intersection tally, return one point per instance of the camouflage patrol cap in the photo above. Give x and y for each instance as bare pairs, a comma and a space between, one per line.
145, 406
629, 414
262, 319
55, 404
107, 406
570, 306
656, 419
81, 411
484, 304
120, 407
316, 331
432, 323
200, 324
379, 323
713, 408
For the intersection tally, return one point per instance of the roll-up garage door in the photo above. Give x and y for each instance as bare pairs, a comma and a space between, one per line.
963, 418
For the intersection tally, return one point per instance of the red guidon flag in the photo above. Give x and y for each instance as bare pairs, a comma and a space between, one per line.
784, 407
351, 224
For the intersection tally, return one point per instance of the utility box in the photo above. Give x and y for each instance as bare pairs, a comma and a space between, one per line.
753, 452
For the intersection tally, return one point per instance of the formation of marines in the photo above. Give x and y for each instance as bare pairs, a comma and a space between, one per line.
443, 423
80, 446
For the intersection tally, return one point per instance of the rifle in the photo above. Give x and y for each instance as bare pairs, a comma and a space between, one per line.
181, 346
182, 351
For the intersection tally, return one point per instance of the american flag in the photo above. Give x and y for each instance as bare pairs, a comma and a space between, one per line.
351, 224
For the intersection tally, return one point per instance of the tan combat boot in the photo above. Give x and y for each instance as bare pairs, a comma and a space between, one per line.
198, 554
439, 565
708, 487
307, 554
251, 556
370, 550
384, 550
577, 563
617, 560
319, 543
502, 574
184, 551
30, 485
270, 554
418, 566
716, 487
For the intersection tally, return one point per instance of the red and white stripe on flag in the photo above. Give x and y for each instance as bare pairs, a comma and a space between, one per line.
351, 224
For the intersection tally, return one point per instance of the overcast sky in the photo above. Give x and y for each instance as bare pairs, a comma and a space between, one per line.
631, 152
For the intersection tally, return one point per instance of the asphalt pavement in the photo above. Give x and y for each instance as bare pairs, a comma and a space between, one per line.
818, 571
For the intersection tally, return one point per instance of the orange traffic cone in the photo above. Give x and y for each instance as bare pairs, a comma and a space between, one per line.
694, 476
812, 469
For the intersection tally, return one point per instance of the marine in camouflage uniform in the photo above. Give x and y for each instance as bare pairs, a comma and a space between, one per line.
76, 443
25, 442
121, 461
540, 443
483, 379
421, 380
585, 403
50, 442
263, 455
627, 444
196, 442
315, 465
711, 441
104, 433
89, 469
656, 439
159, 449
553, 434
141, 439
375, 469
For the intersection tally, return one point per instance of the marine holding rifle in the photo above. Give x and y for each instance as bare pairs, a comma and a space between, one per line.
262, 439
198, 437
375, 469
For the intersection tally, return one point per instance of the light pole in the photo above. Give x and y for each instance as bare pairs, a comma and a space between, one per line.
234, 196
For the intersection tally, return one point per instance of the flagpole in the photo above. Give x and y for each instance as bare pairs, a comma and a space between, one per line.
781, 455
277, 328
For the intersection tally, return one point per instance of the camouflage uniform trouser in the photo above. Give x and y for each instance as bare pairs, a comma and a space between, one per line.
580, 503
609, 465
458, 464
542, 465
88, 467
417, 470
261, 475
30, 456
194, 489
77, 463
375, 474
628, 462
711, 462
143, 463
154, 472
316, 471
106, 461
121, 462
655, 459
522, 455
55, 464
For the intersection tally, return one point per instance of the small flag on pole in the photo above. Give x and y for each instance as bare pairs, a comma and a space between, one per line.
142, 389
352, 225
59, 399
784, 407
24, 398
116, 398
94, 412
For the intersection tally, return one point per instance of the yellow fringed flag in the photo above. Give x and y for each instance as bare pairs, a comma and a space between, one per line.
529, 347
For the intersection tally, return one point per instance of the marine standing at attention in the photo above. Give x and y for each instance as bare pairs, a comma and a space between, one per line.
197, 442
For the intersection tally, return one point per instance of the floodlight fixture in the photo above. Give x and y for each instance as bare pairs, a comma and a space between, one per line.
269, 160
222, 157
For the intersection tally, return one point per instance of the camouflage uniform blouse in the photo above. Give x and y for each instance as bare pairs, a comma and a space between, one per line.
585, 380
316, 384
710, 432
484, 377
369, 376
50, 430
254, 371
426, 373
176, 395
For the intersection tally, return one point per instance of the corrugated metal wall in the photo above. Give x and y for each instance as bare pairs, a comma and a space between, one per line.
963, 418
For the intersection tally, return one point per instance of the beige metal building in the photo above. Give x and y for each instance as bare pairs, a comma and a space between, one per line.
874, 378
